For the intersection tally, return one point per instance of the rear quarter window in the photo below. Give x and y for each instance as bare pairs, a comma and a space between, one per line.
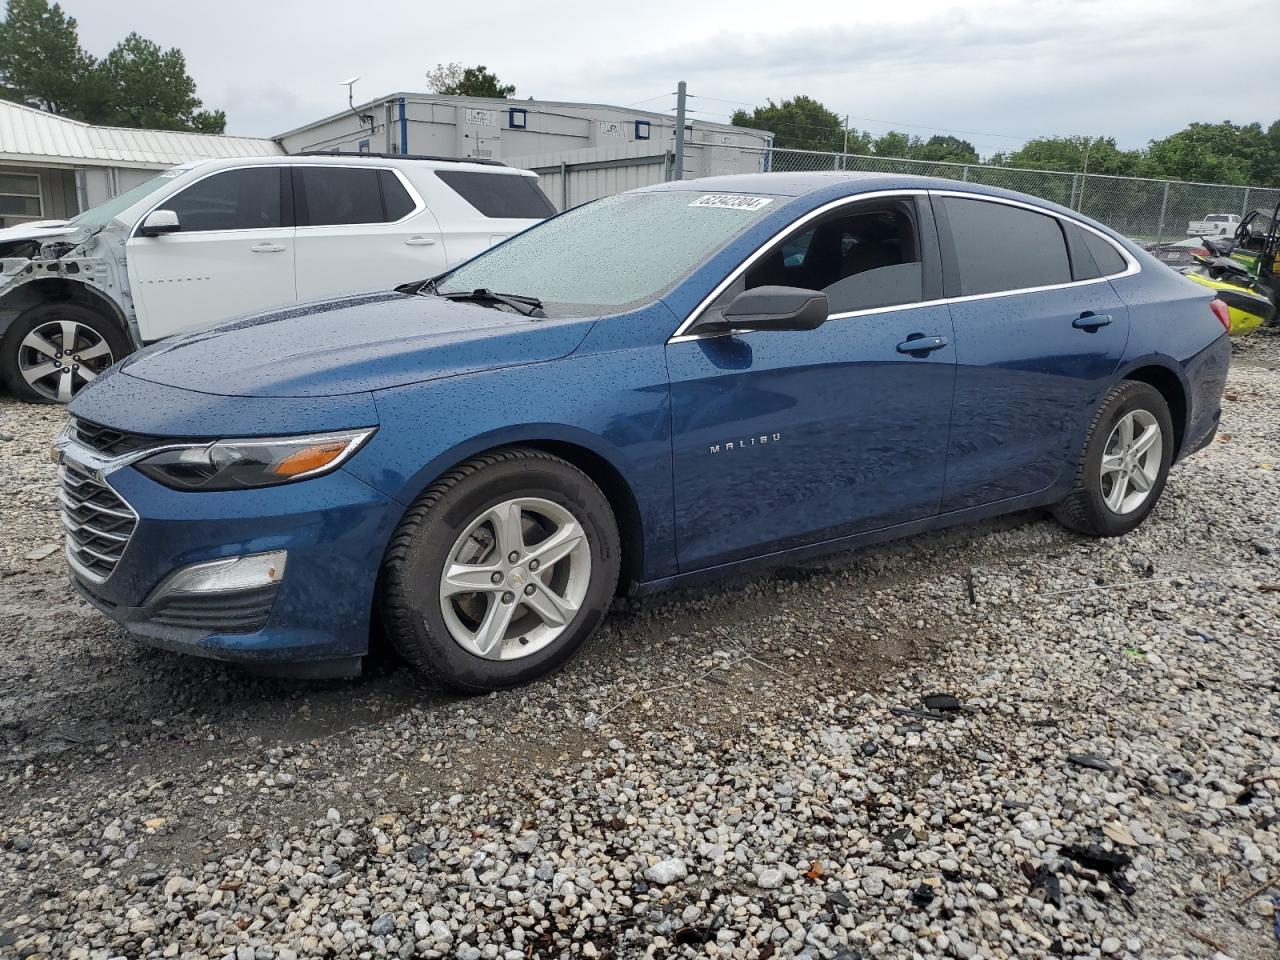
1107, 257
499, 195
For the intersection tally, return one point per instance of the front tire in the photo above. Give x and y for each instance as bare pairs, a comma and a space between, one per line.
500, 571
52, 350
1125, 464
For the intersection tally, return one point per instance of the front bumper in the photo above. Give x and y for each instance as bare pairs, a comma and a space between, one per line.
334, 529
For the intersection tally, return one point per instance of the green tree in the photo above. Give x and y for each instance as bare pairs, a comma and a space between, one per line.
1214, 153
895, 143
145, 86
136, 85
801, 123
946, 149
42, 63
455, 80
1068, 154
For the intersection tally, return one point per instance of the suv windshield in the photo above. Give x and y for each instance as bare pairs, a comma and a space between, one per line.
104, 213
612, 254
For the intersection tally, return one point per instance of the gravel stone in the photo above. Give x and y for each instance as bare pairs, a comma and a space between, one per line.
721, 773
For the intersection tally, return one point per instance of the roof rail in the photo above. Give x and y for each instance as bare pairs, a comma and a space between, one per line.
397, 156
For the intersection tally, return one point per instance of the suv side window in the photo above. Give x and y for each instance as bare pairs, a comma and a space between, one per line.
244, 199
864, 256
1001, 247
499, 195
343, 195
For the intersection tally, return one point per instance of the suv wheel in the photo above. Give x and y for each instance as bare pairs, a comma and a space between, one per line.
1125, 464
500, 571
52, 350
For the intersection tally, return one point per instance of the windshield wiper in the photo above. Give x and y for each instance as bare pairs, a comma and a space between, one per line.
426, 288
525, 306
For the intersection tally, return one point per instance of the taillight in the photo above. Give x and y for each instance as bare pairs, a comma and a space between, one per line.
1222, 313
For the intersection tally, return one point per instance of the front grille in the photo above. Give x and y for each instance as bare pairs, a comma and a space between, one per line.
98, 523
244, 611
108, 440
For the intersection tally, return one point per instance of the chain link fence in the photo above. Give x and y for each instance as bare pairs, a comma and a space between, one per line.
1148, 211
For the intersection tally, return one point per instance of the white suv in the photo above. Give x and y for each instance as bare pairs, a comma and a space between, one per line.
211, 240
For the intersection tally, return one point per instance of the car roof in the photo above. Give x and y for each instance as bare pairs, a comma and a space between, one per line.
359, 160
829, 185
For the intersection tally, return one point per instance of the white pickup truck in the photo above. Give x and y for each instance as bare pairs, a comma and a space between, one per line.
1214, 225
215, 239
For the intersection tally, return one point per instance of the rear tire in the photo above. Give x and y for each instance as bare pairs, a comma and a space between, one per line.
465, 597
51, 351
1125, 464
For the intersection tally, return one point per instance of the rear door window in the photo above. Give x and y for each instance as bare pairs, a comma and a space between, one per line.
349, 195
999, 247
397, 204
250, 198
499, 195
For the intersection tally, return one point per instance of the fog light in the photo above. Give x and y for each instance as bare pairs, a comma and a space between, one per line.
225, 576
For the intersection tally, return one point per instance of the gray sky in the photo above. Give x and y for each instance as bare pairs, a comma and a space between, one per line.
1000, 70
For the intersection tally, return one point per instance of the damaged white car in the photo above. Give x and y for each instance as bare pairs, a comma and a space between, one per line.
208, 241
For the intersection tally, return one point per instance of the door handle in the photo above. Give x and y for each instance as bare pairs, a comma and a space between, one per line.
921, 345
266, 247
1091, 321
420, 242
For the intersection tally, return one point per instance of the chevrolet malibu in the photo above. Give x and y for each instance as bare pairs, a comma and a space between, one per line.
676, 382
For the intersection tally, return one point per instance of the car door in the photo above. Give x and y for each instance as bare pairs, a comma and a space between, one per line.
360, 229
233, 253
786, 438
1038, 341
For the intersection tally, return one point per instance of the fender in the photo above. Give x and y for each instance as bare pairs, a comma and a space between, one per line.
614, 406
95, 278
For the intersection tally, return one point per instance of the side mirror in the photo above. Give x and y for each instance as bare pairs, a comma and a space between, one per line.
769, 308
159, 222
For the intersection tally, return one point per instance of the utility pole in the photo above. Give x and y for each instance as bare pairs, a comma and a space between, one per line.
845, 153
678, 173
1084, 174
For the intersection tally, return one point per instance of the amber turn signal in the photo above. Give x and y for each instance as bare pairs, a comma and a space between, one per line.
309, 459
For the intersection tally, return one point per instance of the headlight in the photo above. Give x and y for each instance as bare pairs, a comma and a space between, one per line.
237, 464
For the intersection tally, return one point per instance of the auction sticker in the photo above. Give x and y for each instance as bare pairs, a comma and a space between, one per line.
731, 201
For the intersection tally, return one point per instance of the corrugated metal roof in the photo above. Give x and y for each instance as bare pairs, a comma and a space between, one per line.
35, 136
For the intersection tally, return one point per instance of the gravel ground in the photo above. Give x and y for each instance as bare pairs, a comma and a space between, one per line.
749, 770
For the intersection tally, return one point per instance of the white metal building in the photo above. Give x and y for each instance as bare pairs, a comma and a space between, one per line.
581, 150
51, 167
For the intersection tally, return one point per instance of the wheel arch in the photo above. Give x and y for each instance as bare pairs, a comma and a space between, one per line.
45, 290
1169, 382
585, 452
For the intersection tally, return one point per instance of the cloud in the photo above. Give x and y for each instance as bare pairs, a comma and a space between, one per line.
1133, 69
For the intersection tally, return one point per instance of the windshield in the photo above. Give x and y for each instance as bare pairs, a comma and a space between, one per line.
612, 254
104, 213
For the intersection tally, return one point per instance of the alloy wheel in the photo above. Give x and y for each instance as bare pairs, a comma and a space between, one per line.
1131, 461
515, 578
57, 358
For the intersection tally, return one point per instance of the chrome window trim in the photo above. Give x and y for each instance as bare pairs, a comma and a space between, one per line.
420, 203
1132, 266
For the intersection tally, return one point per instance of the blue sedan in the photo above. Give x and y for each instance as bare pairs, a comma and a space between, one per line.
668, 384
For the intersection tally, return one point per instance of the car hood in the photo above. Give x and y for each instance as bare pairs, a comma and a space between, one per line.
353, 345
36, 230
